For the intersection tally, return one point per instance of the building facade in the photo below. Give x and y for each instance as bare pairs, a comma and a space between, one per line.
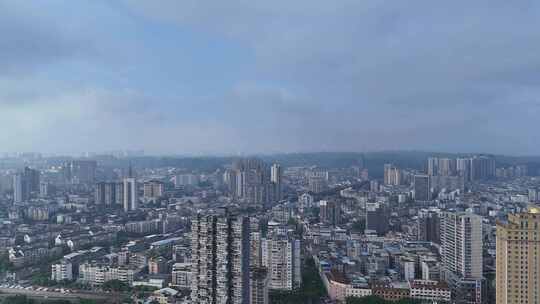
518, 258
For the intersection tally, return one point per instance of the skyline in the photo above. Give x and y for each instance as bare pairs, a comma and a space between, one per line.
249, 77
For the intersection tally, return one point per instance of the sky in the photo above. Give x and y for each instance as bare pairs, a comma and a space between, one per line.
251, 76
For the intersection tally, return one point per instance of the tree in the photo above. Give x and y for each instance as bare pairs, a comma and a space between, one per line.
116, 285
311, 291
5, 264
359, 225
18, 299
377, 300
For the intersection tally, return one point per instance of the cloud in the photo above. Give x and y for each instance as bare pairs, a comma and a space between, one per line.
418, 74
30, 41
92, 120
266, 76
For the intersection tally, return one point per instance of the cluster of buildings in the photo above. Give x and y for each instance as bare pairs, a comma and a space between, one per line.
458, 230
231, 251
253, 182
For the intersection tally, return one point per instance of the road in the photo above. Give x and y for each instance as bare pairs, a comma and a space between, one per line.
102, 298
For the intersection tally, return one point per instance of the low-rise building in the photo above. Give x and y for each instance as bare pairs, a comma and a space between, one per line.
62, 271
429, 290
181, 275
96, 274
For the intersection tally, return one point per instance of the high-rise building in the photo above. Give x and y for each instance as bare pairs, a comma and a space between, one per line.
422, 189
463, 167
317, 183
518, 258
533, 195
305, 201
330, 212
21, 188
119, 196
131, 194
429, 227
25, 184
275, 179
482, 167
221, 247
461, 242
44, 189
281, 255
448, 182
433, 166
392, 175
377, 218
105, 193
187, 179
153, 189
80, 171
442, 166
461, 251
258, 285
32, 177
447, 167
254, 183
229, 180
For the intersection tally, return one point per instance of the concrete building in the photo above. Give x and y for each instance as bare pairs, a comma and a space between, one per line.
21, 188
258, 285
392, 175
153, 189
157, 265
482, 167
461, 251
181, 275
187, 179
221, 246
255, 182
377, 218
62, 271
330, 212
429, 226
518, 258
131, 194
425, 290
105, 194
422, 188
275, 179
317, 184
97, 274
305, 201
282, 257
80, 171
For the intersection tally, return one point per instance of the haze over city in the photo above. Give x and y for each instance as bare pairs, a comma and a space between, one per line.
205, 77
269, 152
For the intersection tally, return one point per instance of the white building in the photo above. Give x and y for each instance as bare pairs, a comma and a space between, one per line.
62, 271
357, 291
461, 251
220, 245
98, 274
131, 194
429, 290
282, 258
461, 244
186, 180
182, 275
